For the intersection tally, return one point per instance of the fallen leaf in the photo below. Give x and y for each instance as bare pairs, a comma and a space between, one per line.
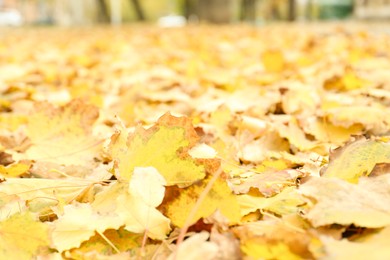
257, 248
162, 146
121, 239
268, 183
286, 202
375, 117
137, 208
22, 237
14, 170
285, 237
78, 223
259, 149
196, 247
63, 135
357, 159
375, 246
325, 131
273, 60
220, 197
366, 204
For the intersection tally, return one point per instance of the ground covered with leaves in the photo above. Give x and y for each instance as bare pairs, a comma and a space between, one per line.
195, 143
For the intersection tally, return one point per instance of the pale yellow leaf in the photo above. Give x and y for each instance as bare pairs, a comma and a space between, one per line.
21, 237
63, 135
357, 159
78, 223
286, 202
196, 247
366, 204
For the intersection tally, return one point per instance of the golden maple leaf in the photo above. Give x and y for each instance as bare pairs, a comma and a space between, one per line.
63, 135
21, 237
163, 146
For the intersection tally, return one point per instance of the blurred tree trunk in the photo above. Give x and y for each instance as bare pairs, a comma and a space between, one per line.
189, 8
291, 10
215, 11
309, 10
138, 10
103, 15
248, 10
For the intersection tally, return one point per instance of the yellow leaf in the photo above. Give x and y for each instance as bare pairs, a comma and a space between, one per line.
14, 170
40, 189
259, 149
11, 121
306, 103
357, 159
286, 202
273, 61
366, 204
135, 202
196, 247
258, 249
219, 198
294, 134
290, 230
268, 183
375, 117
163, 146
21, 237
10, 205
78, 223
351, 81
325, 131
137, 207
63, 135
121, 239
375, 246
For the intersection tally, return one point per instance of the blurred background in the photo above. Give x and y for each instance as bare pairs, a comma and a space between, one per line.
179, 12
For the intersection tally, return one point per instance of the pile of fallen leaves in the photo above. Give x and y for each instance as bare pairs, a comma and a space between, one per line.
195, 143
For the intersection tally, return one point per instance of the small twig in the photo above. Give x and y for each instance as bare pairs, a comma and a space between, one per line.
108, 242
198, 203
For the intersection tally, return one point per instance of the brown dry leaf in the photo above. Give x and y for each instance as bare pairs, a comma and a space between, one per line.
366, 204
63, 135
357, 159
